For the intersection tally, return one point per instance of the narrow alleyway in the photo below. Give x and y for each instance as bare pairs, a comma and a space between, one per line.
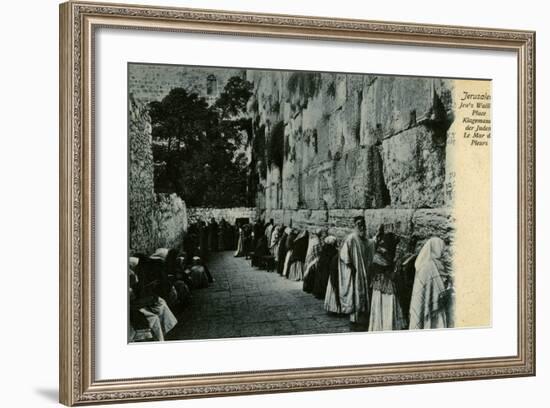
245, 301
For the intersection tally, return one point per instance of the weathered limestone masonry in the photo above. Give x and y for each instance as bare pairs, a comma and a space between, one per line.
141, 199
228, 214
154, 220
350, 144
354, 145
169, 221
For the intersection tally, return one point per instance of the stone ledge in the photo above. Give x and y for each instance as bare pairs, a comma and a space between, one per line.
408, 224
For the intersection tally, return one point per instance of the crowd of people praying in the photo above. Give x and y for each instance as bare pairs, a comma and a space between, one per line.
361, 277
161, 284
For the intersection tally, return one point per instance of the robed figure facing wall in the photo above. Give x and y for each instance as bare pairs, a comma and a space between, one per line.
355, 259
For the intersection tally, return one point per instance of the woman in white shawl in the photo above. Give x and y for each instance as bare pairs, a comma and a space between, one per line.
240, 243
291, 234
426, 311
160, 318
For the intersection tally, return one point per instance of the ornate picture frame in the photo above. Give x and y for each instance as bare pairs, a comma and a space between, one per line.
78, 24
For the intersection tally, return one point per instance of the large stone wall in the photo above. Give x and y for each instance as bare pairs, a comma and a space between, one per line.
141, 196
353, 141
155, 220
228, 214
355, 145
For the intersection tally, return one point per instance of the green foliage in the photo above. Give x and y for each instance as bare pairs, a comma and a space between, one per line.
232, 101
197, 149
181, 119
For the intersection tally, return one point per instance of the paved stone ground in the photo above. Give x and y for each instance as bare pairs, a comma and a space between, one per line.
244, 301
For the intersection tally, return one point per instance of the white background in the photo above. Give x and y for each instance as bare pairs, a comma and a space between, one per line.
28, 160
115, 359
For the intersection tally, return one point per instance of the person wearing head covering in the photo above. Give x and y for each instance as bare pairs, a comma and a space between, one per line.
160, 317
160, 253
228, 235
213, 235
256, 231
191, 240
296, 262
260, 251
385, 310
249, 240
322, 274
199, 274
313, 255
275, 240
240, 242
404, 279
355, 260
203, 240
165, 288
332, 292
426, 310
282, 249
268, 231
221, 235
291, 235
182, 281
146, 303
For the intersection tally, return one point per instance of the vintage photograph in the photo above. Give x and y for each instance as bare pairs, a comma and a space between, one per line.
271, 202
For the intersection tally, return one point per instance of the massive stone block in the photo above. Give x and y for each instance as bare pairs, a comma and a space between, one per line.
414, 169
309, 219
229, 214
332, 122
169, 221
391, 104
276, 215
398, 221
434, 223
154, 220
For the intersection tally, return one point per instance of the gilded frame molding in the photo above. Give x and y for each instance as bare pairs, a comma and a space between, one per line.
78, 20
